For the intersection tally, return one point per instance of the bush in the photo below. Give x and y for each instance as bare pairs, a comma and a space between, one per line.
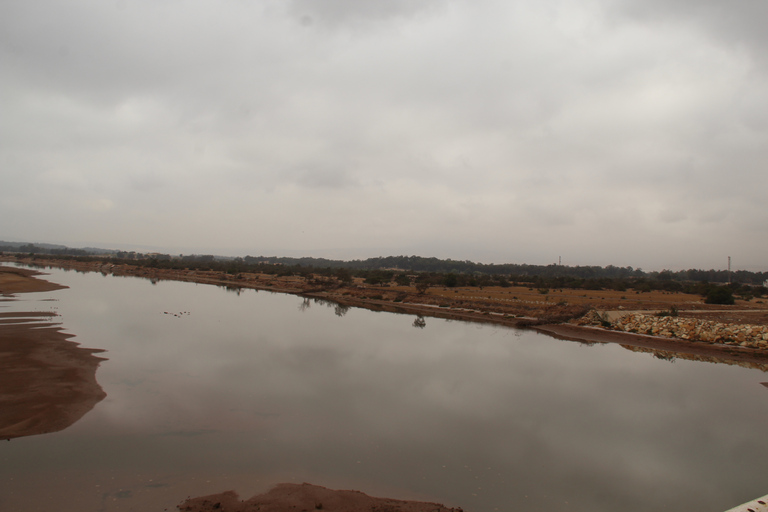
719, 295
402, 280
422, 287
344, 275
671, 312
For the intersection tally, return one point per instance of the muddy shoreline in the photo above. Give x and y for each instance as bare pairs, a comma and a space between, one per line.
47, 381
24, 280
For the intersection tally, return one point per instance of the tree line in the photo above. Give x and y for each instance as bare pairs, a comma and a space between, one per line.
431, 272
558, 276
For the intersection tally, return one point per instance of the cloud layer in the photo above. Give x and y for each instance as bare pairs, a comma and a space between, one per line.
629, 133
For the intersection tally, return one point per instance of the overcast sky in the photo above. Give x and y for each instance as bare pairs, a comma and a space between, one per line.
624, 132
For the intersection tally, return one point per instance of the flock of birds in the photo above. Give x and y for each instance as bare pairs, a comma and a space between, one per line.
177, 315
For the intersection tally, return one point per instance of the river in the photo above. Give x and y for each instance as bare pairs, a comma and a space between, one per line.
210, 389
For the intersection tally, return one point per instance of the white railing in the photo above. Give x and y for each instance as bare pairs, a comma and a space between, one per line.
758, 505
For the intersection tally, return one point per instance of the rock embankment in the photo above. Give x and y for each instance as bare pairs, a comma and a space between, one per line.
744, 335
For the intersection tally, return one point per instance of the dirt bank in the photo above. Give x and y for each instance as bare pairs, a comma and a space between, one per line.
298, 497
47, 382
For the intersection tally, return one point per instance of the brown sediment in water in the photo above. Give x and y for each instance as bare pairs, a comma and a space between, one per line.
295, 497
47, 381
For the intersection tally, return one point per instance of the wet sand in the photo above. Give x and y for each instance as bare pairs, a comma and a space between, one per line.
296, 497
23, 280
47, 381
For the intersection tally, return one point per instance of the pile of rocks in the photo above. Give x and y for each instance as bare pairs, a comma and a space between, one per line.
744, 335
594, 318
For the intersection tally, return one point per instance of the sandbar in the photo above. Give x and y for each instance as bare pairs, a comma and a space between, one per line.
297, 497
47, 381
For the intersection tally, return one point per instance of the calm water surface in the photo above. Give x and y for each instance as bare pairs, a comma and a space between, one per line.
210, 390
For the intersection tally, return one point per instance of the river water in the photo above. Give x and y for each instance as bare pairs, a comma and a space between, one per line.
210, 390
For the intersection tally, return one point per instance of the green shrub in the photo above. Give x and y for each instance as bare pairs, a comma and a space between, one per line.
719, 295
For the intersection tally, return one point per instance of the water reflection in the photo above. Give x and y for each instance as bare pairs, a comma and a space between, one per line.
671, 356
338, 309
244, 391
237, 290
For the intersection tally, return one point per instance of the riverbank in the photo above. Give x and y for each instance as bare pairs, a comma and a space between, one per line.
47, 381
555, 313
662, 347
24, 280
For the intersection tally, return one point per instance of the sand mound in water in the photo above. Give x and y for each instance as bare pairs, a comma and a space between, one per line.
307, 497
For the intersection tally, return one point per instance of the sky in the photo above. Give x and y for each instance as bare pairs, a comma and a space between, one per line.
591, 132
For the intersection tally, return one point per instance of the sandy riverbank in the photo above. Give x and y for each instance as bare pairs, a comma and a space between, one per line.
23, 280
47, 381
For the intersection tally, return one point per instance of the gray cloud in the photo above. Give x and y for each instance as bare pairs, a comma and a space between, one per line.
739, 23
340, 13
426, 127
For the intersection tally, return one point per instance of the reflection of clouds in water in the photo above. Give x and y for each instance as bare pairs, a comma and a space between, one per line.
248, 382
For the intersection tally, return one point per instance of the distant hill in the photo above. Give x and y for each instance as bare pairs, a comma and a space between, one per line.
9, 245
43, 248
